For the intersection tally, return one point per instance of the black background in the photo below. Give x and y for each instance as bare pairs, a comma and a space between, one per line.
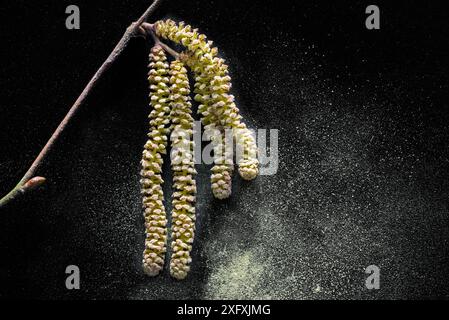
363, 119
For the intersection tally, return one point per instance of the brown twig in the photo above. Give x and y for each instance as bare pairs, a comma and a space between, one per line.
148, 28
28, 181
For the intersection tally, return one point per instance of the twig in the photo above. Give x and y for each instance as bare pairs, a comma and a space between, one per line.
148, 28
28, 181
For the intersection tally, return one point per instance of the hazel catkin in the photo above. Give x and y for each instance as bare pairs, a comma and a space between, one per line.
155, 147
183, 167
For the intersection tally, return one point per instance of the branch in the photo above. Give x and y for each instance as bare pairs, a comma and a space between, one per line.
149, 29
28, 181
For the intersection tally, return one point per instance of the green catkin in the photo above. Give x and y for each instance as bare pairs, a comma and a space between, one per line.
221, 178
214, 84
155, 147
183, 166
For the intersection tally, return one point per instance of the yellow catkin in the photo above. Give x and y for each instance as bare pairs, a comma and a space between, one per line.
155, 147
214, 83
183, 166
221, 178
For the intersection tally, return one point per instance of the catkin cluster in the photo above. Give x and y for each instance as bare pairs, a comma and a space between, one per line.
183, 213
212, 88
172, 116
155, 147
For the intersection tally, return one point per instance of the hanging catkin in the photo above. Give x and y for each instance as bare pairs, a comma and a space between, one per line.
182, 157
155, 147
221, 178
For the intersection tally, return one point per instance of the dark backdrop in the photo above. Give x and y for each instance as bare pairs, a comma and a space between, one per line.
363, 119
